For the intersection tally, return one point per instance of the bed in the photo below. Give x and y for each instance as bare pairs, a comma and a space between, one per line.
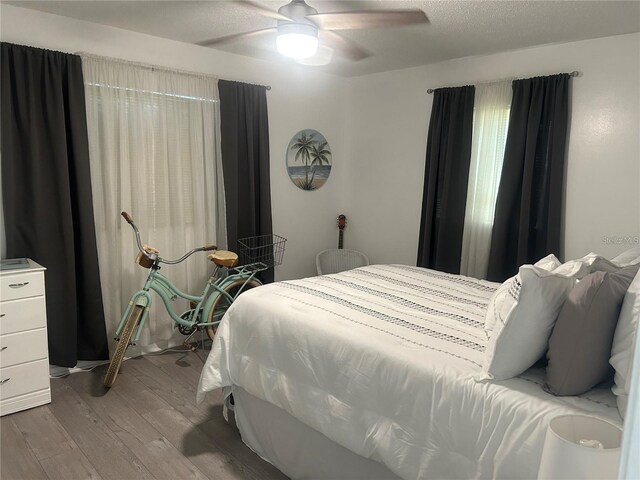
372, 373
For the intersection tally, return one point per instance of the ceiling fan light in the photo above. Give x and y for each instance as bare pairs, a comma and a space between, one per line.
322, 57
297, 45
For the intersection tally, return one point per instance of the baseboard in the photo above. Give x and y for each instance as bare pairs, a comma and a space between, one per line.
22, 402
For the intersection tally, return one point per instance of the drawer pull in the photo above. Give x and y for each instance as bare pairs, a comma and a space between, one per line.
3, 348
2, 382
2, 315
18, 285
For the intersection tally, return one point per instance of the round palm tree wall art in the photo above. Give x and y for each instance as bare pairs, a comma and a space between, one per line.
308, 159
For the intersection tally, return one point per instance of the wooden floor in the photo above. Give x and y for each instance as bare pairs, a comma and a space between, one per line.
146, 426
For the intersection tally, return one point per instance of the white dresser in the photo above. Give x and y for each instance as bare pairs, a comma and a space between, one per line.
24, 358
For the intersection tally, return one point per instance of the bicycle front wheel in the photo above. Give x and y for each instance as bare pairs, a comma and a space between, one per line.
222, 303
125, 337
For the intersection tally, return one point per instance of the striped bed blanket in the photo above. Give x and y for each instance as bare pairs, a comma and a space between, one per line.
383, 361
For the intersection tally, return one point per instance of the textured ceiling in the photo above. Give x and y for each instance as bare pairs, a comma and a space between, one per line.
456, 28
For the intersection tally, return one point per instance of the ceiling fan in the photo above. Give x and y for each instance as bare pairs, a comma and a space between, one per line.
301, 28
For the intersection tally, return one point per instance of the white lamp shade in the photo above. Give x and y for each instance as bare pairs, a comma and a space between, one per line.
564, 458
322, 57
297, 45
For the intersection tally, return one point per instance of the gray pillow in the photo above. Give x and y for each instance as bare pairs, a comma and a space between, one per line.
580, 344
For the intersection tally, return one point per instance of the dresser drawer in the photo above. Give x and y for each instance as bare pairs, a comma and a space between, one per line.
23, 314
24, 378
21, 285
23, 347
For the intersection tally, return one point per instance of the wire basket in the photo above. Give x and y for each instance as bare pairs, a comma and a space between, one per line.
267, 249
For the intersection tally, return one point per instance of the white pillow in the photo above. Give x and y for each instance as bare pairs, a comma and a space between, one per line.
524, 310
624, 343
550, 262
496, 304
630, 257
582, 267
597, 263
577, 269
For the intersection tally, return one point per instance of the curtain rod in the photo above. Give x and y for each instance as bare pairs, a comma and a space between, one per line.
575, 73
157, 67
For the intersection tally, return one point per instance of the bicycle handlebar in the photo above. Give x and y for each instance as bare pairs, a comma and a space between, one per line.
129, 220
152, 257
127, 217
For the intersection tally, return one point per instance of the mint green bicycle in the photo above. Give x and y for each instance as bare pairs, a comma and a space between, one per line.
226, 283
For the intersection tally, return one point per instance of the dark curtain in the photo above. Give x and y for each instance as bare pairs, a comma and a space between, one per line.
46, 193
446, 177
527, 224
244, 130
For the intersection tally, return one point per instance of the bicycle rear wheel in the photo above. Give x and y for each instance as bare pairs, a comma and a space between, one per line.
222, 303
125, 337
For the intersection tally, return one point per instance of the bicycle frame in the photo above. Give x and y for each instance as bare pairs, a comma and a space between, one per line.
168, 292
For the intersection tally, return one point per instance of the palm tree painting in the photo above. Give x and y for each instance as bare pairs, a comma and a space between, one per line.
308, 159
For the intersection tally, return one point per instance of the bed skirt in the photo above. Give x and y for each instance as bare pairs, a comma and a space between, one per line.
297, 450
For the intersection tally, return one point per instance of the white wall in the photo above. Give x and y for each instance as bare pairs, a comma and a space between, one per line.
299, 98
387, 124
377, 127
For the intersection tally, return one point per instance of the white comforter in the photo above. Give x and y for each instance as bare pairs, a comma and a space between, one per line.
382, 360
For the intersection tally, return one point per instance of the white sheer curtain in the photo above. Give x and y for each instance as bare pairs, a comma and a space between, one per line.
490, 123
154, 148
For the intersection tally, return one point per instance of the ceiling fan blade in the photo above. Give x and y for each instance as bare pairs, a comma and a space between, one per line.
368, 19
343, 46
236, 36
263, 10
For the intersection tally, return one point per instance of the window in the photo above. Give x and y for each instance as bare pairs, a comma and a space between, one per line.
490, 125
153, 148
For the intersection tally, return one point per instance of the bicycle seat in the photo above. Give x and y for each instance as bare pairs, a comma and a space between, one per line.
223, 258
